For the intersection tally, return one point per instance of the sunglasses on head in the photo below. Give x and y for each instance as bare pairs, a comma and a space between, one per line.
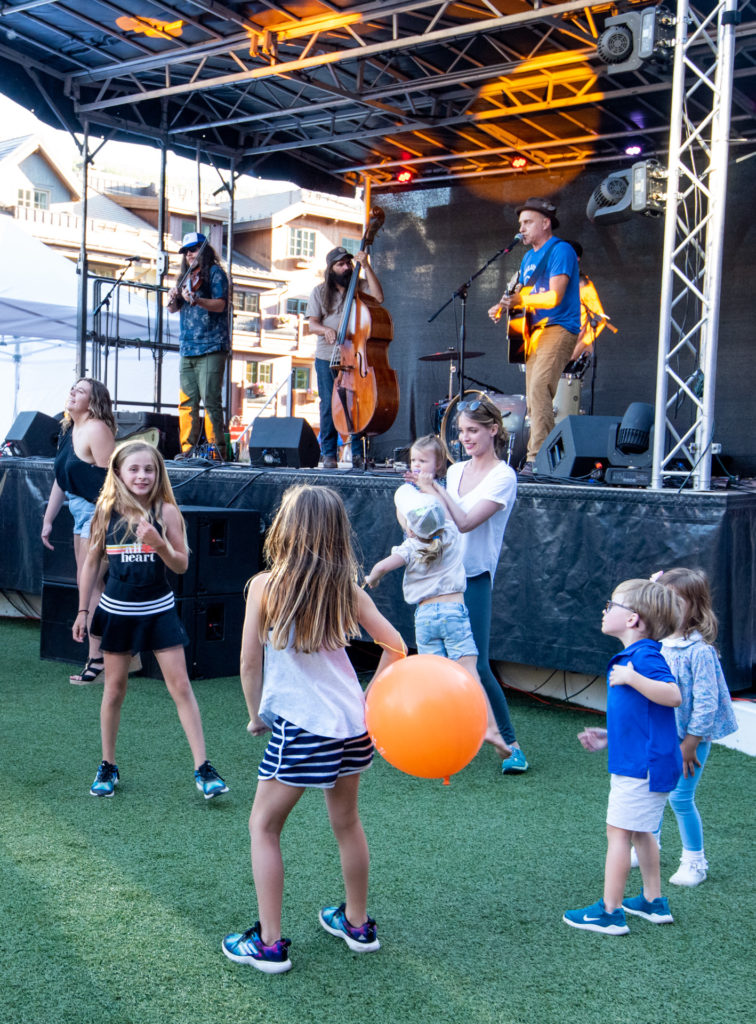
470, 406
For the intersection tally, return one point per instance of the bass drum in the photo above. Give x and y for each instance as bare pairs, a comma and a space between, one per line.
513, 414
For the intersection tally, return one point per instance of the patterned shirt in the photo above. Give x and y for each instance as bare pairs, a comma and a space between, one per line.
203, 332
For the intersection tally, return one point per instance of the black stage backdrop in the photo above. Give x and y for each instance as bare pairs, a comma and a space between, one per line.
434, 240
565, 549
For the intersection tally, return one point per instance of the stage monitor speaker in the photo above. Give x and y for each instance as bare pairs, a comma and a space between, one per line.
574, 446
283, 441
33, 433
160, 429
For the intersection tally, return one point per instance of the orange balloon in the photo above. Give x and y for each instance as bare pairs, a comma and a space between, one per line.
426, 716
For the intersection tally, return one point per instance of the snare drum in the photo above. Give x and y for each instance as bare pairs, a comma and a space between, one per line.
512, 408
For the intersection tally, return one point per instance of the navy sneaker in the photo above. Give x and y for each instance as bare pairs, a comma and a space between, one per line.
209, 781
656, 911
596, 919
106, 780
363, 939
248, 948
516, 762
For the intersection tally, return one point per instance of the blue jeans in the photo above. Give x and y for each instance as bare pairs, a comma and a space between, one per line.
443, 627
328, 434
682, 800
478, 601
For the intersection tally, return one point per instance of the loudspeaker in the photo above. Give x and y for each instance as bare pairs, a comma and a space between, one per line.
33, 433
574, 446
155, 426
214, 626
59, 609
224, 550
283, 441
59, 565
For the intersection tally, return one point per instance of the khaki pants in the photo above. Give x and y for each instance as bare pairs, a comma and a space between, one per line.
543, 369
201, 378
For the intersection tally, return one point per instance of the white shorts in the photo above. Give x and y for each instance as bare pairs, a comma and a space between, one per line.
633, 806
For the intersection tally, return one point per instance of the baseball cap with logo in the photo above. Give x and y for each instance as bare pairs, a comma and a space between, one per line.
192, 239
339, 253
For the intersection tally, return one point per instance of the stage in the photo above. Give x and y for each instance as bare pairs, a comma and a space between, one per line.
565, 548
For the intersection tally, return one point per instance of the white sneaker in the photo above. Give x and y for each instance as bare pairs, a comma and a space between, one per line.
634, 856
690, 873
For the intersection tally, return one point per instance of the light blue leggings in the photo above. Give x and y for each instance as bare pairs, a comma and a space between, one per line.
682, 800
478, 601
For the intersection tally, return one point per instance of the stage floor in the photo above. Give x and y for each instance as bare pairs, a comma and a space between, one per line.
565, 549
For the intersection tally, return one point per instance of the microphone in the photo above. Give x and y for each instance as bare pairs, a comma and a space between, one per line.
132, 259
515, 241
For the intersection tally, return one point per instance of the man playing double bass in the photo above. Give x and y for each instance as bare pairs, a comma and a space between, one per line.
549, 296
324, 312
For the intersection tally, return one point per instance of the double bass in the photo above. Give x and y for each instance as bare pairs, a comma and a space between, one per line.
365, 397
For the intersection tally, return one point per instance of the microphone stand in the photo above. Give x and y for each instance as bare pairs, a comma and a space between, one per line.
105, 301
461, 292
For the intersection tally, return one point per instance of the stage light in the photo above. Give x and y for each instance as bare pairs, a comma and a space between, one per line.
620, 195
649, 178
405, 176
519, 163
633, 150
631, 39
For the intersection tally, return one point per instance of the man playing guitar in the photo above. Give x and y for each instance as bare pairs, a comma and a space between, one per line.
548, 295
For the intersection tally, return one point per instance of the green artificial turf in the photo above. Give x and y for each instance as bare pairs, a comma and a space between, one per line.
113, 910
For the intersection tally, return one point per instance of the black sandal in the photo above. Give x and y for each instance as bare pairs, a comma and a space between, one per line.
90, 673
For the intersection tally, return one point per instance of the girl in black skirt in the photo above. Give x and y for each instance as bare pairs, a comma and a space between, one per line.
138, 525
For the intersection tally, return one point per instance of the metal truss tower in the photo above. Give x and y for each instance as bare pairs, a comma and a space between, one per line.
693, 244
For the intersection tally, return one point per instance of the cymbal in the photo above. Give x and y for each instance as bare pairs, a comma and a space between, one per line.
449, 354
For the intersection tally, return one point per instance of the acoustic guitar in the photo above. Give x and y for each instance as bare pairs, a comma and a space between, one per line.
523, 331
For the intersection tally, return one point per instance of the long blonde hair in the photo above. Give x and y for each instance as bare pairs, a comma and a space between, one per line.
313, 573
116, 497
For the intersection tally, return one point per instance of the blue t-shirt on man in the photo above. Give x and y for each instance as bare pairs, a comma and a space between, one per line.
202, 332
554, 258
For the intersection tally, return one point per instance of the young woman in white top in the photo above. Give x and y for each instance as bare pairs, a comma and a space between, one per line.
479, 496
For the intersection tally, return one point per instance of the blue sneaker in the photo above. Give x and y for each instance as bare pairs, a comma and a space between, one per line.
516, 762
360, 940
656, 911
596, 919
247, 948
209, 781
106, 780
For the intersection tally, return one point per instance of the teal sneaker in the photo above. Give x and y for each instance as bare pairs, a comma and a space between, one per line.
362, 939
596, 919
656, 911
106, 780
209, 781
248, 948
516, 762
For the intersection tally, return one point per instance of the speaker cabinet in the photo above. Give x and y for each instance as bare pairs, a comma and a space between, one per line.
60, 606
59, 565
160, 429
574, 446
214, 626
283, 441
33, 433
224, 550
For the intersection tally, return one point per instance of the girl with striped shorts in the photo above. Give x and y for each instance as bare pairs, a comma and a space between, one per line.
138, 526
298, 684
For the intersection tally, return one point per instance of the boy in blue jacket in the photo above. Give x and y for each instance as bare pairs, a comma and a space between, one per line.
644, 752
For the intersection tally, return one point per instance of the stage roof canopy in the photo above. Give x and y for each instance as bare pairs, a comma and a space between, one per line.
324, 92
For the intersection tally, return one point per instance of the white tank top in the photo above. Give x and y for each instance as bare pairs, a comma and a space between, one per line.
318, 692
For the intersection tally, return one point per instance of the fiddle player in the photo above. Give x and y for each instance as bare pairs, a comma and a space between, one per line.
550, 280
204, 343
324, 310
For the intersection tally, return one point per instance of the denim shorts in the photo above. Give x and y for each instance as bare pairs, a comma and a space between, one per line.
443, 627
82, 512
299, 758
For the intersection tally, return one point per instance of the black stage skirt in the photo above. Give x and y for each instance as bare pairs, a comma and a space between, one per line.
130, 619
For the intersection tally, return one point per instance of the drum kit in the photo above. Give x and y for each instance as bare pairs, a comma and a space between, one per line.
513, 408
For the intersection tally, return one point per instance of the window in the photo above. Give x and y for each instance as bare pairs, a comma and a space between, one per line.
191, 225
34, 198
296, 306
351, 245
259, 373
247, 302
301, 243
300, 378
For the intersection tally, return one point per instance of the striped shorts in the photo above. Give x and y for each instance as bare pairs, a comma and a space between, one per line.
298, 758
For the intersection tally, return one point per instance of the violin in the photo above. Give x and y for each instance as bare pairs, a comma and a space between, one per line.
192, 276
365, 397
